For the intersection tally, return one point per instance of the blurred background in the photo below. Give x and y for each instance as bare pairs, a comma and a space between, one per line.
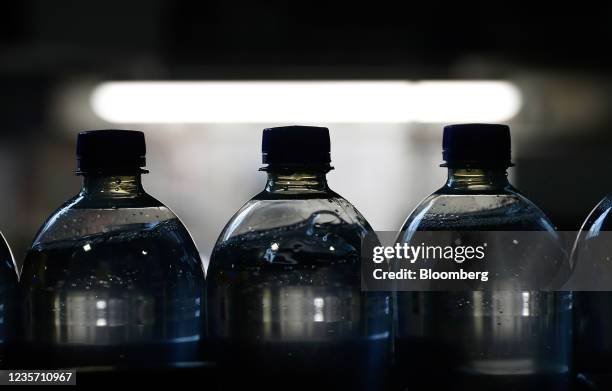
202, 79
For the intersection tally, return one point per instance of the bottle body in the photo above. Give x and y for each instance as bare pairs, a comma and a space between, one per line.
112, 278
284, 291
508, 339
592, 338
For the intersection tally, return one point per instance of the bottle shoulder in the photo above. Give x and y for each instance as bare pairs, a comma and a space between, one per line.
138, 257
291, 231
83, 216
599, 219
504, 209
262, 213
149, 242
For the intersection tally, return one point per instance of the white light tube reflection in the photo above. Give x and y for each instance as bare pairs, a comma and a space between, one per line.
305, 101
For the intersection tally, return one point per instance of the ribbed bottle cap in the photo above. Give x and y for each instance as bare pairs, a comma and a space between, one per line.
110, 151
296, 146
476, 145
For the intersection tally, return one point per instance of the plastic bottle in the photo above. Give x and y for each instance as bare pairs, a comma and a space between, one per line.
483, 339
113, 277
285, 302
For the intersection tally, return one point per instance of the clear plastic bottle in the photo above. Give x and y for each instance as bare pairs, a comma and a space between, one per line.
593, 296
113, 277
285, 304
8, 304
482, 339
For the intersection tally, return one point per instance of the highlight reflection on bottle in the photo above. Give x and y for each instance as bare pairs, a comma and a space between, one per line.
9, 322
489, 339
112, 277
284, 291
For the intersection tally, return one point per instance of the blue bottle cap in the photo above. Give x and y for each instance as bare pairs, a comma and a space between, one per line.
476, 145
296, 146
110, 151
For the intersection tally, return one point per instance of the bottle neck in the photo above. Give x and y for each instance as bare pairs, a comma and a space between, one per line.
112, 186
477, 179
297, 182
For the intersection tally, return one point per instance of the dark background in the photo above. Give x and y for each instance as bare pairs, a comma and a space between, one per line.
51, 52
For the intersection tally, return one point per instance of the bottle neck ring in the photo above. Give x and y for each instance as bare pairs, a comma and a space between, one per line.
295, 180
477, 179
101, 185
